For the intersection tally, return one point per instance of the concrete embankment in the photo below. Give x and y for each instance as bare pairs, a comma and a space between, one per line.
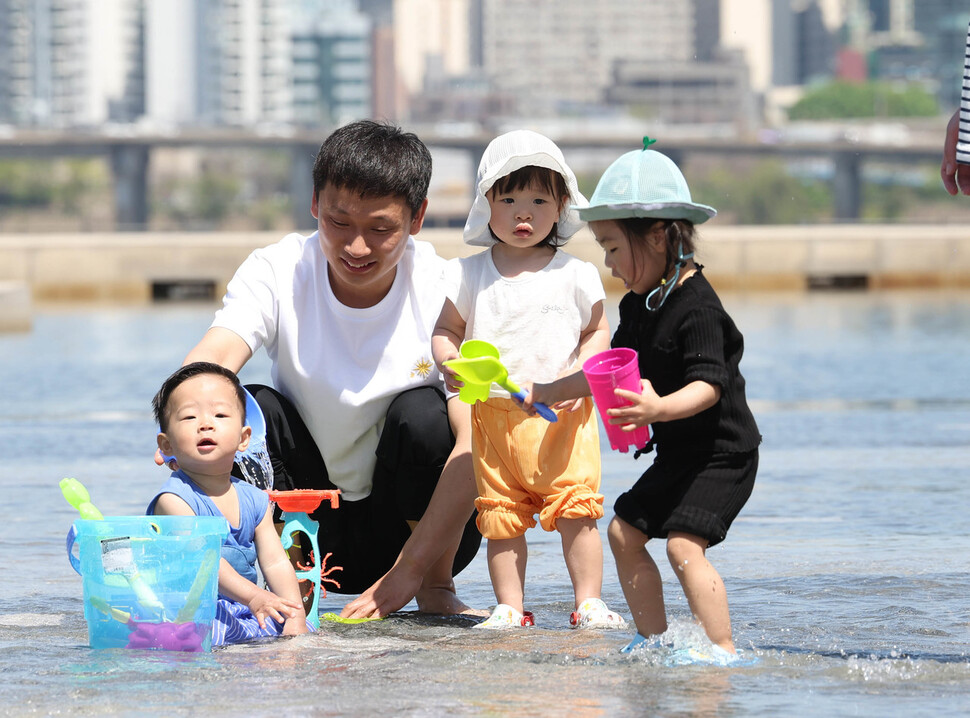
15, 307
137, 267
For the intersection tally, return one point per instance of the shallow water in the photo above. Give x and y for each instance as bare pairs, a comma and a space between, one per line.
846, 571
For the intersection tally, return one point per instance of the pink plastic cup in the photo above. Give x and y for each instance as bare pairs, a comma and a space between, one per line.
605, 372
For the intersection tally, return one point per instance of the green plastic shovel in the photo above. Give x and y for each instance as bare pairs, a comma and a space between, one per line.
479, 367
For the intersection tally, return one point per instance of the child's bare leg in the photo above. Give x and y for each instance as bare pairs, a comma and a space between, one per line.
703, 587
582, 549
506, 567
639, 577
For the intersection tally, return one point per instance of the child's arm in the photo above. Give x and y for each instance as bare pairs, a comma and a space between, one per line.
571, 384
449, 332
648, 407
261, 602
281, 578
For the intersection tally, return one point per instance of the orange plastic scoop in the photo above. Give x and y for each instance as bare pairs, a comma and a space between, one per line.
305, 500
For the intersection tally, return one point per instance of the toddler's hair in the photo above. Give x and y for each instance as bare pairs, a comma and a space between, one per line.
375, 159
533, 176
183, 374
680, 233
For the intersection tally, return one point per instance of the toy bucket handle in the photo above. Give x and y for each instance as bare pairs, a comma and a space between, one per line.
71, 538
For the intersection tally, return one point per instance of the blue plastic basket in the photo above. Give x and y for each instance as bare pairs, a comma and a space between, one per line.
149, 581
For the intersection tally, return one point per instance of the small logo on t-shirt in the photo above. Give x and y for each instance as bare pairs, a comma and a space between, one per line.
422, 368
546, 308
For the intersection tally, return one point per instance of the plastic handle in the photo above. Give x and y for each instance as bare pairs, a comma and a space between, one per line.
71, 538
78, 497
544, 411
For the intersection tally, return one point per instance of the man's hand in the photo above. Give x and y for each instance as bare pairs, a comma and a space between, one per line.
390, 593
956, 177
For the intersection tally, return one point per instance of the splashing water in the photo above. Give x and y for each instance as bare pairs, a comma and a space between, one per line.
255, 465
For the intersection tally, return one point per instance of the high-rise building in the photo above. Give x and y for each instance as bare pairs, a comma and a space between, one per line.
784, 42
942, 24
555, 57
431, 42
380, 12
172, 62
70, 62
803, 47
219, 62
707, 29
332, 66
913, 41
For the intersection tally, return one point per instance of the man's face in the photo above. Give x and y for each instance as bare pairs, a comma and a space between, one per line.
363, 239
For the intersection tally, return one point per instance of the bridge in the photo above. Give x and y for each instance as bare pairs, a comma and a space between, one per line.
128, 153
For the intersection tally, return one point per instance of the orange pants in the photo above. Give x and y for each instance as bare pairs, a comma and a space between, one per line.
526, 465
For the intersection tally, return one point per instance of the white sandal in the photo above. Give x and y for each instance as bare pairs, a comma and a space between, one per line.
593, 613
504, 616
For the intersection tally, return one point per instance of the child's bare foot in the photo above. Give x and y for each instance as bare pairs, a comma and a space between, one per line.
443, 601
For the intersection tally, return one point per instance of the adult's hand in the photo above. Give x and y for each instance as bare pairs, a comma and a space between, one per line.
390, 593
956, 177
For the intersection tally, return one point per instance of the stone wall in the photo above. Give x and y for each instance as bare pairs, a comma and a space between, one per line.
130, 267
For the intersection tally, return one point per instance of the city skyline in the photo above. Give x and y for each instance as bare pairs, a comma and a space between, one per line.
251, 63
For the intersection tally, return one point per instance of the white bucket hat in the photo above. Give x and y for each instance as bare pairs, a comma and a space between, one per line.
644, 183
503, 156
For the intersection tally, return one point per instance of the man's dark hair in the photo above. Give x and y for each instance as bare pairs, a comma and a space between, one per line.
160, 402
375, 159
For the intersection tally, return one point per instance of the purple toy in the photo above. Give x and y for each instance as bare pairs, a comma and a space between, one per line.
167, 636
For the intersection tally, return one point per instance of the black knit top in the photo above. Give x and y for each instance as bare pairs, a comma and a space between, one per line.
691, 338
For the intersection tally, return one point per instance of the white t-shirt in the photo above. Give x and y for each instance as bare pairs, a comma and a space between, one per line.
341, 367
535, 320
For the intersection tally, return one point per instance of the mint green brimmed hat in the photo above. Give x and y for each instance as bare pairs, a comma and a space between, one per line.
644, 183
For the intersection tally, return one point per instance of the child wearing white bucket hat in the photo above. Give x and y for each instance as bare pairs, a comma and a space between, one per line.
706, 439
543, 310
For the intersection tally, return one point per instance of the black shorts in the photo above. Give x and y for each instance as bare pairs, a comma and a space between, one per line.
366, 536
700, 497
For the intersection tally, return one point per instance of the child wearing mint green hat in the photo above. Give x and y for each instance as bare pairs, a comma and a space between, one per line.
705, 437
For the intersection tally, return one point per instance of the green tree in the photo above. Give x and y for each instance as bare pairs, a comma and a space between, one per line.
213, 195
764, 194
848, 100
77, 183
204, 200
25, 184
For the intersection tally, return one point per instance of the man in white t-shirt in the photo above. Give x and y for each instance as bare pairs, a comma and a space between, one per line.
346, 316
